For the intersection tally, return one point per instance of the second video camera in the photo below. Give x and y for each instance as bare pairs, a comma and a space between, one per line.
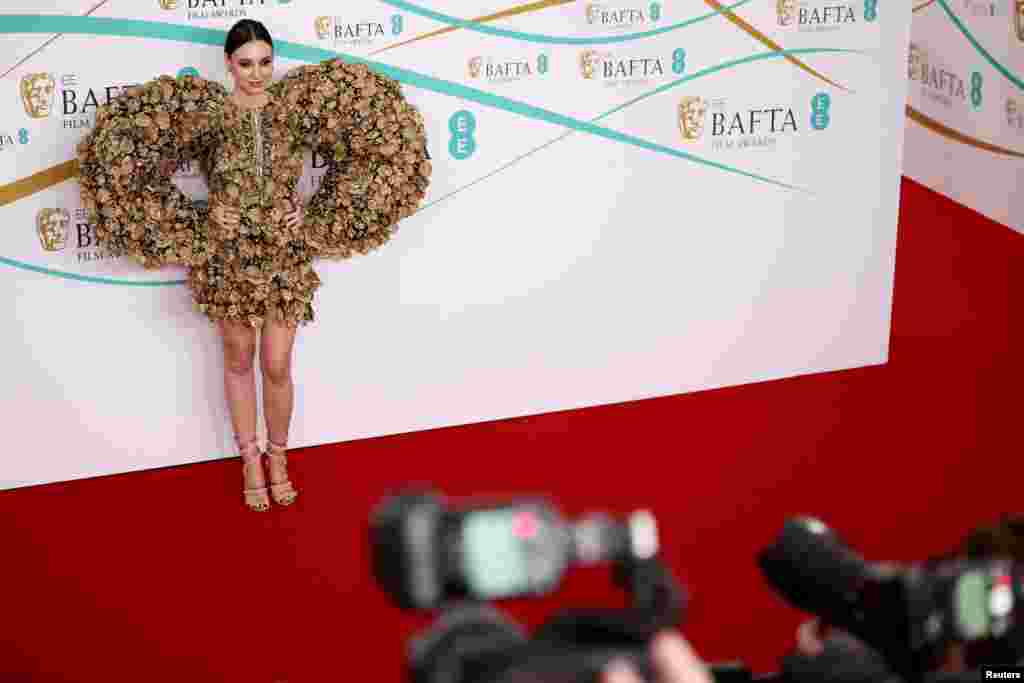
910, 614
430, 555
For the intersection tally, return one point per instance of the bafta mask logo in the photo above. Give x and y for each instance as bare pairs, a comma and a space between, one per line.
322, 25
1018, 18
786, 11
588, 62
593, 13
691, 113
37, 94
168, 4
52, 227
474, 67
1014, 115
917, 62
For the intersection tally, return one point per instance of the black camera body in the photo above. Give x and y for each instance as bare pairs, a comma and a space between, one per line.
429, 555
910, 614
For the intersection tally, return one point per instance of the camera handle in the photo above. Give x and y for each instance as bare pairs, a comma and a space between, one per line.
658, 603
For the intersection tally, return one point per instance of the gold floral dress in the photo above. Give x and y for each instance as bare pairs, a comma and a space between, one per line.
358, 119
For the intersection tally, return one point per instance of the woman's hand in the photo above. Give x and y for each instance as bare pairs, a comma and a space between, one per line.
296, 217
225, 216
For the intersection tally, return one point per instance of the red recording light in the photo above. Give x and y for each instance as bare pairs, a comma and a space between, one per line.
526, 525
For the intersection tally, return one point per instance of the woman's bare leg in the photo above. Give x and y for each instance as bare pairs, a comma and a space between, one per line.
278, 399
239, 343
278, 387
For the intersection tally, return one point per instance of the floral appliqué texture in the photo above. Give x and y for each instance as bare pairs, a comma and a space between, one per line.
378, 172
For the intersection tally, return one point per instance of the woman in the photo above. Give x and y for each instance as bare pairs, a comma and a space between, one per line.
249, 252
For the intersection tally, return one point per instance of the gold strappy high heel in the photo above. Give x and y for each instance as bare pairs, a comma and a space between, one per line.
256, 498
280, 486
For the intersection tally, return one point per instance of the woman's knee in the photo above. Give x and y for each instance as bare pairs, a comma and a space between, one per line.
239, 344
276, 370
238, 357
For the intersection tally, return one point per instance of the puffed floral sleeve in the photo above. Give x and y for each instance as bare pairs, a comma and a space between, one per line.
374, 142
125, 165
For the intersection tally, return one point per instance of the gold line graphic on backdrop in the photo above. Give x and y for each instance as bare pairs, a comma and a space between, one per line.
918, 8
544, 4
510, 12
48, 42
956, 136
768, 42
37, 182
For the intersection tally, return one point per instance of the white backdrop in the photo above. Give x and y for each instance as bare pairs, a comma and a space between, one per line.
580, 244
965, 118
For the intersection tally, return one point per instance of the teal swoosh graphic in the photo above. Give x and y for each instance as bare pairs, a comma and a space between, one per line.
722, 67
773, 54
471, 25
22, 23
88, 278
978, 46
133, 28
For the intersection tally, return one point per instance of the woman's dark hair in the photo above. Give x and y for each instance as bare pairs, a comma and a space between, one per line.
244, 31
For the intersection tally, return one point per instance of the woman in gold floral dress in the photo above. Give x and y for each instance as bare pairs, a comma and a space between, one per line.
249, 252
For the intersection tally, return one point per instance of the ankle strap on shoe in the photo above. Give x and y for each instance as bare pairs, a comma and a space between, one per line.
280, 447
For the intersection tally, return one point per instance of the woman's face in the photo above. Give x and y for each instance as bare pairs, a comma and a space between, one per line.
252, 67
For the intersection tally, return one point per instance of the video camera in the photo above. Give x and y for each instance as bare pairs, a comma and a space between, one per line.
428, 555
909, 614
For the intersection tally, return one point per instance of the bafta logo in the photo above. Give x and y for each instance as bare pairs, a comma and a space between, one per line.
588, 61
322, 25
691, 113
786, 11
1018, 18
593, 12
52, 227
37, 94
474, 67
168, 4
1014, 115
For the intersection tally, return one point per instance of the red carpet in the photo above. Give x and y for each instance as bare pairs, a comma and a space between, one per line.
162, 576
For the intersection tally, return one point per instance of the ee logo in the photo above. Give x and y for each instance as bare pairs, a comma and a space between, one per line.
976, 83
678, 60
870, 10
462, 125
820, 106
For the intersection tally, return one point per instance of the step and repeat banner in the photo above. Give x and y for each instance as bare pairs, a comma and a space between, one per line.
965, 107
629, 199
